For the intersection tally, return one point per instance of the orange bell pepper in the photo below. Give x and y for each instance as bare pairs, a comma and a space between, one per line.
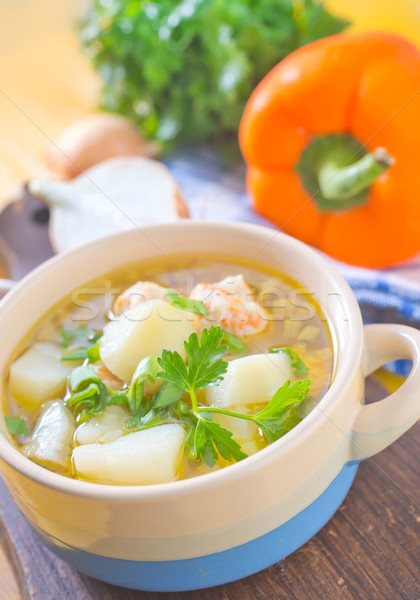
318, 134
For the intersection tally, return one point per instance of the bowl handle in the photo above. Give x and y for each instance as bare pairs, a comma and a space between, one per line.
379, 424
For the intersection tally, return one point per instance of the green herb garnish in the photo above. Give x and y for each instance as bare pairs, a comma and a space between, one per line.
298, 366
234, 344
159, 408
89, 351
208, 439
79, 354
272, 418
89, 395
69, 336
146, 370
194, 306
16, 426
168, 394
92, 353
203, 368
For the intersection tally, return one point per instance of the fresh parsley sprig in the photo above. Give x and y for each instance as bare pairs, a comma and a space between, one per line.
204, 366
271, 419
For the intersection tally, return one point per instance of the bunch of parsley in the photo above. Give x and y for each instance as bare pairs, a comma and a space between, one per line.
184, 69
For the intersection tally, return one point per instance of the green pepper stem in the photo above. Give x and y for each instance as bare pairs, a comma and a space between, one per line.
340, 183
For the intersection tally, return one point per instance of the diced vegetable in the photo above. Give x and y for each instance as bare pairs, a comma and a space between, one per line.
144, 330
139, 458
38, 374
251, 380
51, 440
292, 328
309, 333
106, 427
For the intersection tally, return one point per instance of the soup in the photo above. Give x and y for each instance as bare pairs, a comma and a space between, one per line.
166, 370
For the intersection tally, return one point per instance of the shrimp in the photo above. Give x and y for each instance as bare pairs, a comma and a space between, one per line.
231, 304
139, 292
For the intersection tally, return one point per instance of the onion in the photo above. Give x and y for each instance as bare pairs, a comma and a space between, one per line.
92, 140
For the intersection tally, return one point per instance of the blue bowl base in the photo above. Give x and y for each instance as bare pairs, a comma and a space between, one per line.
213, 569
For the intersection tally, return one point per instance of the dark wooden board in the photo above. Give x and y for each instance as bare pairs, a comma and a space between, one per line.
369, 550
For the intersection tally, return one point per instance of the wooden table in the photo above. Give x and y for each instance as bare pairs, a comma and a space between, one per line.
369, 550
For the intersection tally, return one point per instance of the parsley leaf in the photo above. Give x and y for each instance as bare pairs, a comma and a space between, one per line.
90, 351
298, 366
210, 439
204, 366
69, 336
198, 447
168, 394
16, 426
234, 344
271, 419
79, 354
89, 395
159, 408
195, 306
146, 370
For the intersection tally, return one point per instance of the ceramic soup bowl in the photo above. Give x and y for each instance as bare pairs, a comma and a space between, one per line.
225, 525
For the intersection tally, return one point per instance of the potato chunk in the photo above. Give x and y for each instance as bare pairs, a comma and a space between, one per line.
38, 374
250, 380
51, 440
106, 427
144, 330
139, 458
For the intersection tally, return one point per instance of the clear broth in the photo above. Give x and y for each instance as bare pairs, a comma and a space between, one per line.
296, 320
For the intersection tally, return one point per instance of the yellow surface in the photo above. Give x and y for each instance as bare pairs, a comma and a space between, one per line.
390, 381
399, 16
45, 84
